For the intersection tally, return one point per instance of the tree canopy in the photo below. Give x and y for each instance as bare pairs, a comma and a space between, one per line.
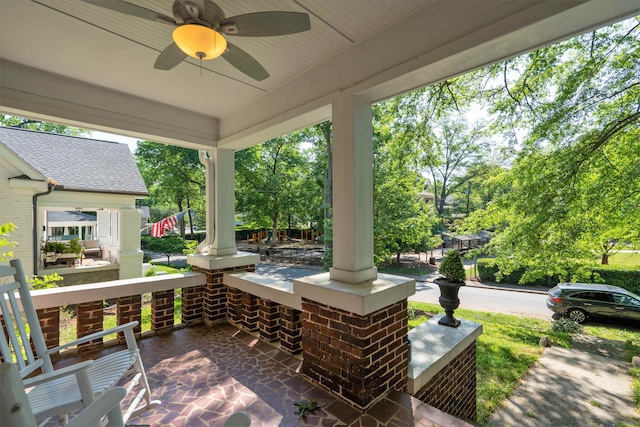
24, 123
572, 113
175, 179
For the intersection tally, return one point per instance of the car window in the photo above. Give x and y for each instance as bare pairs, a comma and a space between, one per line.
582, 295
625, 299
603, 296
594, 296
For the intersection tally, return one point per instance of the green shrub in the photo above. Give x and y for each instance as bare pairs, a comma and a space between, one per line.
452, 268
567, 326
74, 247
51, 246
5, 229
625, 277
45, 282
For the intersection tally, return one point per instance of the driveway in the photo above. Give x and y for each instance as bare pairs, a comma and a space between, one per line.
587, 385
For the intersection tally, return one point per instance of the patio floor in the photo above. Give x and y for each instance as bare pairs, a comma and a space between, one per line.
204, 374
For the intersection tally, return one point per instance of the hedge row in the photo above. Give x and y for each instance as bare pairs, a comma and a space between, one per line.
627, 278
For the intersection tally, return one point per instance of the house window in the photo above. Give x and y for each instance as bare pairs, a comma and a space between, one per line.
87, 233
74, 231
57, 231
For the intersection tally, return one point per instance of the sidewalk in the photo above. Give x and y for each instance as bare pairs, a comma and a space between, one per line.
587, 385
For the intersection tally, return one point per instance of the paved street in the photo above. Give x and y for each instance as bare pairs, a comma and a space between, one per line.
489, 299
471, 297
482, 298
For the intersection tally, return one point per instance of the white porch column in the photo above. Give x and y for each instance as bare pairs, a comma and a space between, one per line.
352, 191
130, 256
220, 195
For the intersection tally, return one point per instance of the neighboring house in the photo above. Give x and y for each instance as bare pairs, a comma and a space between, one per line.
49, 181
66, 225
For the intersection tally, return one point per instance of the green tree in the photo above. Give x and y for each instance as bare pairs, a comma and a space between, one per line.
452, 157
168, 245
274, 183
175, 179
402, 221
24, 123
572, 112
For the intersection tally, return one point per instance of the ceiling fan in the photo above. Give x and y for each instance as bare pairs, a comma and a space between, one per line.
200, 26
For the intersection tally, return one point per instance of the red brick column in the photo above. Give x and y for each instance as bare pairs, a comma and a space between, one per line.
90, 319
234, 306
249, 318
50, 323
357, 357
268, 319
216, 306
130, 309
215, 299
162, 310
193, 305
453, 389
290, 330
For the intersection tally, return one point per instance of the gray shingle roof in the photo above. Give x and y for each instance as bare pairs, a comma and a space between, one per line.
69, 216
76, 163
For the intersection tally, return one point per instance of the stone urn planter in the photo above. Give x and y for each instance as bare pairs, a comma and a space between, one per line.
449, 301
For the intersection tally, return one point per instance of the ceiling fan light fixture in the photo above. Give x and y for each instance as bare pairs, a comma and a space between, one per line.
199, 41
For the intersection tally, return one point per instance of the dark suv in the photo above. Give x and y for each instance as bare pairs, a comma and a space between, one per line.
580, 301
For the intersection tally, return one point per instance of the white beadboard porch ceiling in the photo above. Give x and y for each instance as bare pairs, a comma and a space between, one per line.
110, 49
103, 76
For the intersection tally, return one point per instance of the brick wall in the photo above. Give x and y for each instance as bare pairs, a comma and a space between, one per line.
162, 310
268, 319
453, 389
359, 358
249, 315
290, 330
192, 305
216, 307
90, 319
50, 324
129, 309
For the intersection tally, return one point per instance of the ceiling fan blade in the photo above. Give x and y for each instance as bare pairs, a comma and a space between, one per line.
132, 10
244, 62
169, 58
265, 24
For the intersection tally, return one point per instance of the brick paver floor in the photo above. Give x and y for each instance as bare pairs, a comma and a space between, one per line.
203, 374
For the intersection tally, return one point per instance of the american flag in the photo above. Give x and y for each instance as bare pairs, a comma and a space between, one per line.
158, 228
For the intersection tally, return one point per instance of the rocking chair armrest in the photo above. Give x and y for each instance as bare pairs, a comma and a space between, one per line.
94, 336
58, 373
107, 404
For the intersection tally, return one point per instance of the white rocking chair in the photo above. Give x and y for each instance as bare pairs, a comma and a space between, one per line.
16, 411
55, 393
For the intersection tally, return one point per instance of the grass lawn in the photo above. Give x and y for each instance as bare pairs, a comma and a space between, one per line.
168, 270
625, 259
509, 346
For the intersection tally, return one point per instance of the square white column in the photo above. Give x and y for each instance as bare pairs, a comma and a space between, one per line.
220, 194
352, 191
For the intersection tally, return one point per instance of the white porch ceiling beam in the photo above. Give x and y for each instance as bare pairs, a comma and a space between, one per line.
45, 96
444, 39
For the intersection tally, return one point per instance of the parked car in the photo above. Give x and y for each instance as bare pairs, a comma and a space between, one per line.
582, 301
